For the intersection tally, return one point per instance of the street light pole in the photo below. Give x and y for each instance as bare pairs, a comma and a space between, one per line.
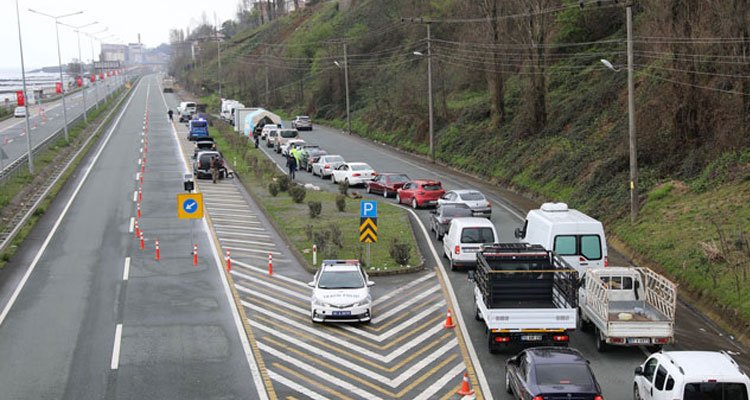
429, 94
26, 103
631, 121
346, 86
77, 30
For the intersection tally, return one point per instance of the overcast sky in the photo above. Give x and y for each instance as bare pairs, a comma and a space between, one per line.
125, 19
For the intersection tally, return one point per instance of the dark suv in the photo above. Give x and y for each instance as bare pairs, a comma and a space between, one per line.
202, 165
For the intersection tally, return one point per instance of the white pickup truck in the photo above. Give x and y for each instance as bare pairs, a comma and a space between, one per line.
627, 306
525, 295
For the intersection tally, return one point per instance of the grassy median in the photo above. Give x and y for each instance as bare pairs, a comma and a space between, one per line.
339, 230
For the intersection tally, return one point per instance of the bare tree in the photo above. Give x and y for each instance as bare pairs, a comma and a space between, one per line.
492, 10
537, 25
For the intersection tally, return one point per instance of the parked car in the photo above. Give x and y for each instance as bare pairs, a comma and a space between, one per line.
198, 129
690, 375
387, 183
186, 115
341, 292
271, 137
443, 214
420, 193
203, 145
551, 373
355, 173
289, 144
474, 199
19, 112
189, 106
302, 122
326, 164
309, 156
465, 238
267, 128
284, 135
202, 165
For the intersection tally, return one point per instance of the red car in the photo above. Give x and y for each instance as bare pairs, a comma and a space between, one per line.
420, 193
387, 183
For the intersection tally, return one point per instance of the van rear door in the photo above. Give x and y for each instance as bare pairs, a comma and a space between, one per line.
581, 251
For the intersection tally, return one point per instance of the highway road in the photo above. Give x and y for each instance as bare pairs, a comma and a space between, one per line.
86, 314
47, 118
614, 369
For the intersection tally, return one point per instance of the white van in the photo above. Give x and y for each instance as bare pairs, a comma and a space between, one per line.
188, 106
571, 234
465, 238
690, 375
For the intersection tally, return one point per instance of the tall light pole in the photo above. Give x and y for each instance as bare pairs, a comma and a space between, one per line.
26, 103
77, 30
92, 37
346, 87
59, 61
634, 205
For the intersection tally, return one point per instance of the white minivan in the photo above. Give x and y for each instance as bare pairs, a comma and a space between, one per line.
465, 238
571, 234
690, 375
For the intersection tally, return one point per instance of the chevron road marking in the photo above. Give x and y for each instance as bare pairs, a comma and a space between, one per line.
294, 386
251, 242
260, 235
406, 304
440, 383
398, 291
264, 271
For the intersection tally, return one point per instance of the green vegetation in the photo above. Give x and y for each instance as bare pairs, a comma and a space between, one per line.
334, 230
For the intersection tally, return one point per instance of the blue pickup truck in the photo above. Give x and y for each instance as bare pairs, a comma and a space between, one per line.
198, 129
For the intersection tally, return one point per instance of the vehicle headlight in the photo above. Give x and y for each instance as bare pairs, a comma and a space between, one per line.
364, 302
319, 303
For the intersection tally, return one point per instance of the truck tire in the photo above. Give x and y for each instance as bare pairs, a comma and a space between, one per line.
601, 344
507, 382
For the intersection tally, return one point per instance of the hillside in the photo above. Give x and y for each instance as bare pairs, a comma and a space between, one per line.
521, 98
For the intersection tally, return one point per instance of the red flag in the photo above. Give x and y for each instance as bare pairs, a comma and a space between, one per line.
20, 99
93, 78
58, 87
79, 81
109, 73
101, 75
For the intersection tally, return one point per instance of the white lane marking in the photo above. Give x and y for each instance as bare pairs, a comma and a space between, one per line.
230, 234
249, 356
221, 219
277, 289
440, 383
116, 348
241, 209
294, 386
320, 374
264, 271
126, 269
209, 202
64, 212
132, 223
238, 215
481, 377
245, 249
251, 242
239, 227
398, 352
137, 175
401, 289
412, 300
394, 383
139, 161
135, 195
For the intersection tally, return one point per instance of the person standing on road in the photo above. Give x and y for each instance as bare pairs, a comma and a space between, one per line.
297, 155
170, 113
291, 163
214, 164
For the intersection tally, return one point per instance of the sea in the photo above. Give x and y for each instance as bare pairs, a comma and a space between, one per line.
11, 81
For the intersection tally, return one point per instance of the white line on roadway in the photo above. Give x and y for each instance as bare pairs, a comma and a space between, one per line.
135, 195
116, 348
132, 223
126, 269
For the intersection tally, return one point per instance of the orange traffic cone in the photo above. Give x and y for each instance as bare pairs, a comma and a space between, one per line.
449, 321
158, 253
465, 389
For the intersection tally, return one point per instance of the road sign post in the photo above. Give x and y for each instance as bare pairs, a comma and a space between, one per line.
368, 225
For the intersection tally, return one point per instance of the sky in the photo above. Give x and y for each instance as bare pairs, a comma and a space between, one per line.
124, 19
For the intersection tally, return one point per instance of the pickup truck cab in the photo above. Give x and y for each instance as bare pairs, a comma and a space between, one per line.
198, 129
341, 292
571, 234
465, 238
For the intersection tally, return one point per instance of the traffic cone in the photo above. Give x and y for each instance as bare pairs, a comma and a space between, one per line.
465, 389
139, 210
137, 231
449, 321
270, 264
143, 242
140, 195
158, 253
229, 260
195, 254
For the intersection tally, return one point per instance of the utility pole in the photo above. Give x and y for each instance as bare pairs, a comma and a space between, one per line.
218, 51
429, 80
631, 121
346, 87
26, 101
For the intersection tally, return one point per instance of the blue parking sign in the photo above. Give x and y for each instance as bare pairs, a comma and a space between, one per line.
368, 209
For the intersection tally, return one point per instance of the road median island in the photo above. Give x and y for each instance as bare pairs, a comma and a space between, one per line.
17, 191
334, 232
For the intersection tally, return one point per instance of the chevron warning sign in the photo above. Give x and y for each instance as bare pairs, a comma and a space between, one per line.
368, 230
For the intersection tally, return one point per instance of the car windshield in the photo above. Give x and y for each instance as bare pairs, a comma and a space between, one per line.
360, 167
341, 280
472, 196
477, 235
563, 374
289, 134
431, 186
272, 133
715, 391
303, 118
199, 124
334, 159
399, 178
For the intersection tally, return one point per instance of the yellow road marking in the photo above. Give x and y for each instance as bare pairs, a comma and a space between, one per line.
379, 327
451, 393
310, 381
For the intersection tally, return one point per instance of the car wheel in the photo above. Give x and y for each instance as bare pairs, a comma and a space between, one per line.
438, 236
507, 383
398, 198
636, 393
367, 189
333, 179
385, 193
453, 265
414, 203
477, 316
601, 344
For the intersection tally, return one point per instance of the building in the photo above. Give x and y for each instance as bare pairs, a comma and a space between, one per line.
114, 52
135, 53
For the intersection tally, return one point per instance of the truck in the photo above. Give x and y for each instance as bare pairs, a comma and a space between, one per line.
525, 295
627, 306
239, 117
168, 85
228, 108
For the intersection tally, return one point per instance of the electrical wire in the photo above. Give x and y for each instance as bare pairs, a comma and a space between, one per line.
529, 14
644, 67
696, 86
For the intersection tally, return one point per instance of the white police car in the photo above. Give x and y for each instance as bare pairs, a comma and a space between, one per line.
341, 292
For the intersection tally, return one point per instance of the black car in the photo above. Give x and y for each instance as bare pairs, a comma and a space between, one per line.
309, 156
204, 144
441, 217
202, 165
551, 373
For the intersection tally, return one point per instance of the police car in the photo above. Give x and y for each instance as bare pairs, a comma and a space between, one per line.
341, 292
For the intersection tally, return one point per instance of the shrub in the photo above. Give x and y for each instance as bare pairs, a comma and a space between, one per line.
273, 188
309, 232
297, 193
341, 202
337, 237
315, 208
400, 251
284, 182
343, 188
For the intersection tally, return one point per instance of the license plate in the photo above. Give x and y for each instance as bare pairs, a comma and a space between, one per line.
341, 313
639, 341
531, 338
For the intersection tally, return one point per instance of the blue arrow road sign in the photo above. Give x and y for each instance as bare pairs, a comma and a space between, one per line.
190, 206
368, 209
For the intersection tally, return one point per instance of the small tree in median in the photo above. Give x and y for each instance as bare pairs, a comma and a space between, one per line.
297, 193
341, 202
400, 251
315, 208
273, 188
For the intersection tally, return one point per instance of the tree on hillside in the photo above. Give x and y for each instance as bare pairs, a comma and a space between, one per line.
491, 10
535, 37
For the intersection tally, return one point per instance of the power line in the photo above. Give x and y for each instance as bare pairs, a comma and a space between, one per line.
644, 67
580, 5
697, 86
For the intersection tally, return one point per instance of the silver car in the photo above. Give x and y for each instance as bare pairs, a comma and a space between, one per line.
474, 199
326, 164
302, 122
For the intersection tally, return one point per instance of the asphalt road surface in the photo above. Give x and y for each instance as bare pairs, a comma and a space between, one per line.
614, 369
47, 118
95, 317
